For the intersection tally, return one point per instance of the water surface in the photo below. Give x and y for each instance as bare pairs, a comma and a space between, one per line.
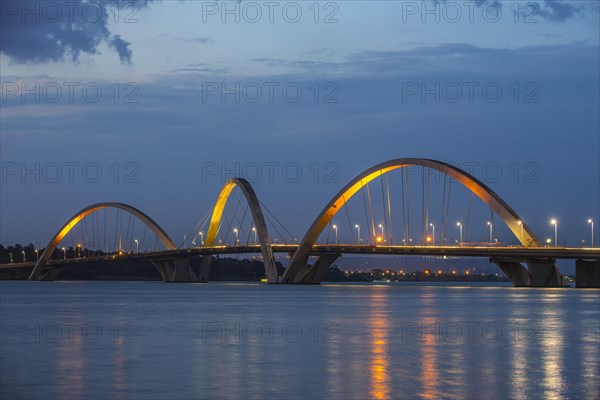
71, 340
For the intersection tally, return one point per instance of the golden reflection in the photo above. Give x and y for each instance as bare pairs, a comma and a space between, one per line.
520, 328
428, 337
379, 327
552, 345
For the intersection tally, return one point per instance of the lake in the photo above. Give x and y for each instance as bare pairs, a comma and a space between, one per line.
151, 340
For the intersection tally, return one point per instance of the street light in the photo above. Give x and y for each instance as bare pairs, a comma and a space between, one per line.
336, 235
381, 226
235, 230
201, 238
64, 253
37, 255
591, 222
491, 230
11, 259
23, 255
137, 246
357, 226
460, 228
78, 250
521, 225
548, 241
554, 222
254, 230
433, 234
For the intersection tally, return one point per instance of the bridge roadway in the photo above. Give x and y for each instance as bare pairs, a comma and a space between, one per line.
517, 252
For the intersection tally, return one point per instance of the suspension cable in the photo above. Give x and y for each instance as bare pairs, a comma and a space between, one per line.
277, 220
385, 222
366, 216
389, 206
347, 207
371, 211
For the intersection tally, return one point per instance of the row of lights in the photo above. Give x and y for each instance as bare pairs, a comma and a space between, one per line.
553, 222
379, 239
236, 231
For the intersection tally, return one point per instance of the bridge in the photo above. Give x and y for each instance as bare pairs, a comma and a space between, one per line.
529, 264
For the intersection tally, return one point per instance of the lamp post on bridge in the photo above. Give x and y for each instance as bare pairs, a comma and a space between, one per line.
357, 226
459, 224
37, 255
236, 231
23, 255
554, 222
491, 230
591, 222
381, 227
254, 230
64, 253
433, 234
11, 259
137, 246
336, 234
520, 223
201, 238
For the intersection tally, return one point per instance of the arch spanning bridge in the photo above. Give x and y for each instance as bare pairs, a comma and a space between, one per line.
174, 266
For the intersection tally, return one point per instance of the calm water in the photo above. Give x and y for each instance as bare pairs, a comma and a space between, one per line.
150, 340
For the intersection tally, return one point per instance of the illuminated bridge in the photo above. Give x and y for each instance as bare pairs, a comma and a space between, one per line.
528, 262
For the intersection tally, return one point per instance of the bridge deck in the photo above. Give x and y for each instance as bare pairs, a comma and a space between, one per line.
517, 252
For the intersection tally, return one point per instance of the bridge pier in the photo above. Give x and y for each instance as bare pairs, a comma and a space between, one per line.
545, 273
50, 275
204, 268
587, 274
515, 271
175, 270
539, 273
316, 273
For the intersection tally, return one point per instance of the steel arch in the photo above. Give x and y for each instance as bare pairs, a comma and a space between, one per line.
36, 274
300, 257
259, 223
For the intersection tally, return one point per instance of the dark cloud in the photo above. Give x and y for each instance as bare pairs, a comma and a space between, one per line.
558, 10
44, 31
122, 47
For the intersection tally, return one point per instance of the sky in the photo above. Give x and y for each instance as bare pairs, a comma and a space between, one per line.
156, 103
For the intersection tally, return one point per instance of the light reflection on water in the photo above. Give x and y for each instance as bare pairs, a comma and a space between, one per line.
342, 341
378, 331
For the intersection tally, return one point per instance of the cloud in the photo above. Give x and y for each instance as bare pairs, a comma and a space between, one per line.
558, 11
40, 32
553, 10
122, 47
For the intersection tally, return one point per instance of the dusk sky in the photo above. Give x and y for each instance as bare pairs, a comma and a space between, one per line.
163, 120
